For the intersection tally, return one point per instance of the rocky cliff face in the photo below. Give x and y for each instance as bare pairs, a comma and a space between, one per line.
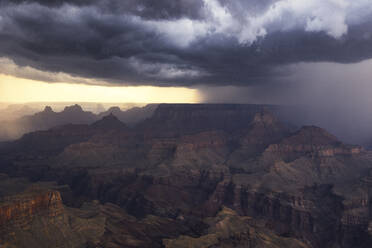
312, 141
36, 217
20, 210
301, 216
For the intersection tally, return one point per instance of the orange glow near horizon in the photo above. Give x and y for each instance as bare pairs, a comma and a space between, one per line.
19, 90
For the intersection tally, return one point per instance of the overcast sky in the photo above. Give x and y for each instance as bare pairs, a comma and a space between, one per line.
180, 42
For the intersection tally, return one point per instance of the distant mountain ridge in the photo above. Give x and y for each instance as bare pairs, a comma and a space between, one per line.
46, 119
132, 115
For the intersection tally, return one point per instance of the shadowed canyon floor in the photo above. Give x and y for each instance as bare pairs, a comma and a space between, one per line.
191, 175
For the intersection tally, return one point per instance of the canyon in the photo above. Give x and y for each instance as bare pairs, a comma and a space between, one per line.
189, 175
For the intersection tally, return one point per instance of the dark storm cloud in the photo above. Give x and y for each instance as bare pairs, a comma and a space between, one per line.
180, 42
51, 3
148, 9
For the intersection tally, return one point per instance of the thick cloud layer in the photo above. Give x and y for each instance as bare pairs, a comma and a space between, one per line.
182, 42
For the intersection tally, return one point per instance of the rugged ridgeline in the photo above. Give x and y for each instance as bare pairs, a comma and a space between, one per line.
205, 176
177, 119
46, 119
131, 116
